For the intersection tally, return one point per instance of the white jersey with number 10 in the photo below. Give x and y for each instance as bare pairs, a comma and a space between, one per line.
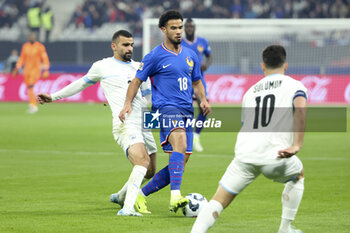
267, 118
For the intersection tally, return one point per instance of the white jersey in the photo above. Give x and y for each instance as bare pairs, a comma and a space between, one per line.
114, 77
267, 118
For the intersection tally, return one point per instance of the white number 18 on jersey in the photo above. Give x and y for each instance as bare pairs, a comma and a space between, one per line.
183, 83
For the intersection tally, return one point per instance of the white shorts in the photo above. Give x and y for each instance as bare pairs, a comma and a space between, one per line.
239, 175
128, 136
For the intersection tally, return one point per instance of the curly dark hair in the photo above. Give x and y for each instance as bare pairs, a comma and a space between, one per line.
169, 15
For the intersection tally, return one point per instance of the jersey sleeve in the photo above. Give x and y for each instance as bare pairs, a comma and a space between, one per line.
45, 58
196, 73
207, 49
301, 90
146, 88
21, 58
70, 90
94, 74
147, 67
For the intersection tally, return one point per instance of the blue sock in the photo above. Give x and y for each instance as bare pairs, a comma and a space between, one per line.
202, 118
176, 170
159, 181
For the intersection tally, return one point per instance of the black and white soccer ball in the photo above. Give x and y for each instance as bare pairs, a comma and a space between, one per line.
197, 201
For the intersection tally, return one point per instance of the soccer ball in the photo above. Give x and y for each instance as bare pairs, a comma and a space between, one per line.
197, 201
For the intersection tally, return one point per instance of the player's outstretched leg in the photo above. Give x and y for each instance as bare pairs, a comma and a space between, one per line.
33, 106
133, 187
140, 203
176, 169
207, 217
119, 197
210, 212
178, 142
138, 156
160, 180
291, 198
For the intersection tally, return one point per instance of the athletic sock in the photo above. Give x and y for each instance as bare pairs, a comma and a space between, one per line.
207, 217
291, 198
159, 181
202, 118
32, 99
176, 169
134, 183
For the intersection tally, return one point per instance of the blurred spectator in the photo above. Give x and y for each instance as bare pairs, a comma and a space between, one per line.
11, 61
93, 13
34, 19
236, 9
47, 22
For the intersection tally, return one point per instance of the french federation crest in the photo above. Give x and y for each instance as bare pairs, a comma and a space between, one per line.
200, 48
189, 62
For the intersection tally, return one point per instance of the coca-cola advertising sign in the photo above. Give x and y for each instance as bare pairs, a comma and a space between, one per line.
224, 88
14, 89
322, 89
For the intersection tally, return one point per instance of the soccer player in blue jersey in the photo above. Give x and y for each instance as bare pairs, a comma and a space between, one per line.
202, 48
174, 71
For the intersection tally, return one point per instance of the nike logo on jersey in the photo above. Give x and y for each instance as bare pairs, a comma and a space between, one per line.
166, 66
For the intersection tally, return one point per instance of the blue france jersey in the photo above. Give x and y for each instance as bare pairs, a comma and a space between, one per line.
200, 45
171, 76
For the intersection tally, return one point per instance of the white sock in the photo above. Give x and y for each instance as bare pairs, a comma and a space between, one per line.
134, 183
291, 198
175, 193
196, 135
207, 217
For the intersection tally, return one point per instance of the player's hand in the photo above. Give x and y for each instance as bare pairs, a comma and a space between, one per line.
288, 152
44, 98
205, 106
126, 110
46, 74
14, 72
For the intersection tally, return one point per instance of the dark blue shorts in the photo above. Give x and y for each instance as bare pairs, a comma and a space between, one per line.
172, 119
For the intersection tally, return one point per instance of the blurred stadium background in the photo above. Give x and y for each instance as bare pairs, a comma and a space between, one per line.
315, 33
58, 167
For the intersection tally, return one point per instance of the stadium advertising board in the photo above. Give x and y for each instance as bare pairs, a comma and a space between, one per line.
226, 88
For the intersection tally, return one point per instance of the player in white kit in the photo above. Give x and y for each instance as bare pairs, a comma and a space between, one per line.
273, 124
114, 74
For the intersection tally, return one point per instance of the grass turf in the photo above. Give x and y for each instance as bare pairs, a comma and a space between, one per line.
58, 168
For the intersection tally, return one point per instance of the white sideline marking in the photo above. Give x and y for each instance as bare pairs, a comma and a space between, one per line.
161, 154
57, 152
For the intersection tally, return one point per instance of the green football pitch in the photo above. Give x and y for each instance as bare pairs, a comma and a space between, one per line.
59, 166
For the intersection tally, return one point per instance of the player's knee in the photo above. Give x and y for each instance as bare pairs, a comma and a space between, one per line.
144, 160
141, 159
179, 143
180, 148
